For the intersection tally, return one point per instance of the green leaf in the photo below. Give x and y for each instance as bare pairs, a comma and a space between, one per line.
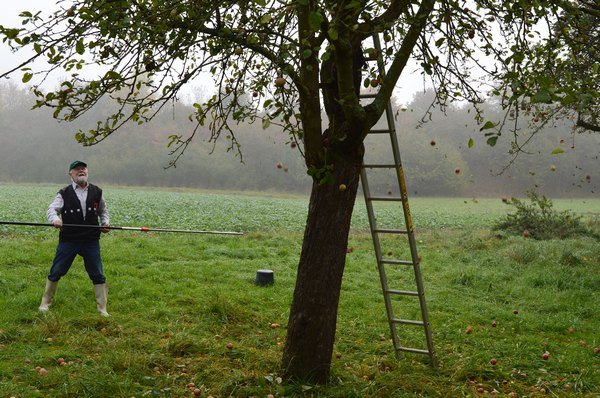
471, 143
314, 20
557, 151
492, 140
79, 47
266, 19
543, 96
27, 77
488, 125
306, 53
266, 123
333, 33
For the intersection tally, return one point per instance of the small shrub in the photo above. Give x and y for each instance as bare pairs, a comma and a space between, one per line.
539, 220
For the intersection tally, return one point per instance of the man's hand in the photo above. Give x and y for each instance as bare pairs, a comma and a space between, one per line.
57, 223
105, 229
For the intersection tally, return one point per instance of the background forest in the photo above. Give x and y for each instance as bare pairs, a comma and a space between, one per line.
435, 154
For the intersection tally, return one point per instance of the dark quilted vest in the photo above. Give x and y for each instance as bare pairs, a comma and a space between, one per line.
73, 214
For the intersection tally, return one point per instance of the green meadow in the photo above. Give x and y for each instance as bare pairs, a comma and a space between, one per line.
185, 310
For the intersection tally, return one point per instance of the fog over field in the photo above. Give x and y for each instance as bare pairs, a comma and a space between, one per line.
436, 157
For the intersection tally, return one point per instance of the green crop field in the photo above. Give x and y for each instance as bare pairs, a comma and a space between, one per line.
184, 308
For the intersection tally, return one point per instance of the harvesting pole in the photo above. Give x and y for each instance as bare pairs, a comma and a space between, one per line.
142, 229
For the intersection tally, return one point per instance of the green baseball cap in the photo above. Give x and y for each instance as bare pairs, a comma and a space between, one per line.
76, 163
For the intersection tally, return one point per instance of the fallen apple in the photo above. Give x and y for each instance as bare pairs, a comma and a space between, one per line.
494, 324
545, 356
493, 361
526, 233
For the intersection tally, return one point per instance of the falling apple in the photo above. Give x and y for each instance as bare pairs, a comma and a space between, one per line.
374, 82
342, 187
238, 51
504, 199
553, 168
255, 94
293, 145
457, 170
432, 143
588, 177
279, 165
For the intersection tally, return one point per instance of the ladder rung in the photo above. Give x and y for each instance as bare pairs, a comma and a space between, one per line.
402, 292
385, 198
368, 95
397, 262
391, 231
414, 350
379, 131
380, 166
408, 322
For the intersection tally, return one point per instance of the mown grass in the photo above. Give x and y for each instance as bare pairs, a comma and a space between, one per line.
177, 301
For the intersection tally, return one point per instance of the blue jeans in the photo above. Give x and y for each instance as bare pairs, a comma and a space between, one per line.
66, 253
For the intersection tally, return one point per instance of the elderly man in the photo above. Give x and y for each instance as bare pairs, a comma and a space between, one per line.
79, 203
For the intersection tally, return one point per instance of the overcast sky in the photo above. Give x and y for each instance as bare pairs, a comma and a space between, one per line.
9, 16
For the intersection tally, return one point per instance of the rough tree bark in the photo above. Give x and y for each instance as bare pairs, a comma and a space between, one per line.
314, 308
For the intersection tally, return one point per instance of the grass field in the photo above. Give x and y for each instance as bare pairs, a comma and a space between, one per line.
179, 301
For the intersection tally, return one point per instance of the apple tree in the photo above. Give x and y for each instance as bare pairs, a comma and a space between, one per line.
282, 62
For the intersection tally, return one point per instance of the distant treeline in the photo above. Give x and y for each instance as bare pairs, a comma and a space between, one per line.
435, 155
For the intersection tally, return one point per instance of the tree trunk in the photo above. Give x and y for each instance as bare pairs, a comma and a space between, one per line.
313, 314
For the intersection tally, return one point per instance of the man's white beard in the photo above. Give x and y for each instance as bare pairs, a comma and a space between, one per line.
80, 180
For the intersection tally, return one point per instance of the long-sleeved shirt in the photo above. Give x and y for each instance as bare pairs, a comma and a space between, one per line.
57, 204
